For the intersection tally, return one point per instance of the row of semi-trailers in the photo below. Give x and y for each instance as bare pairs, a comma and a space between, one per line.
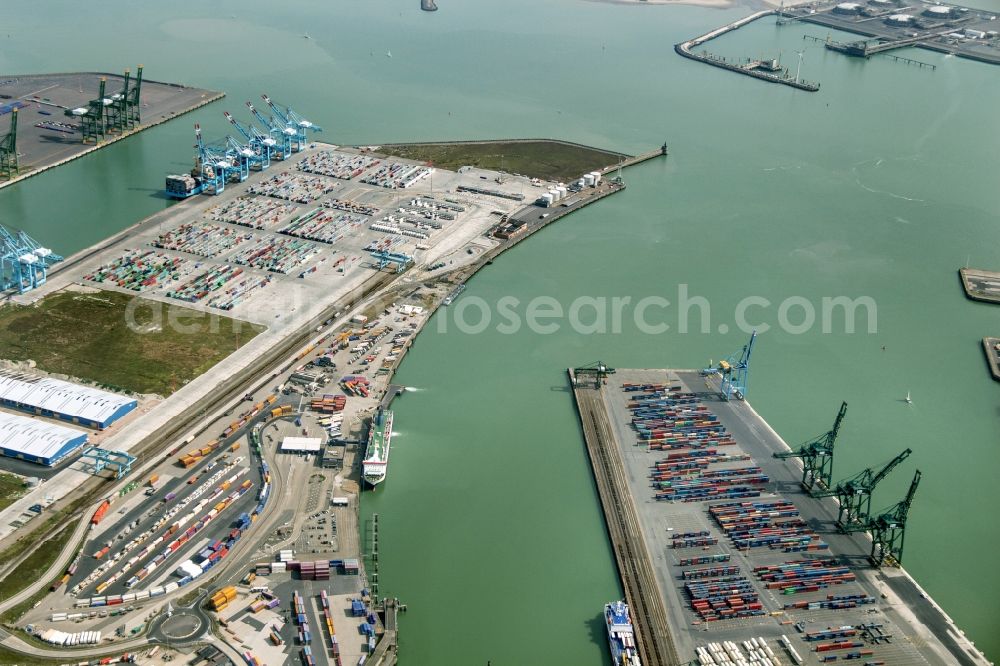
194, 456
165, 547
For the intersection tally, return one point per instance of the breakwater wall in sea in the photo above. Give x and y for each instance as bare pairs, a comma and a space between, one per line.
685, 49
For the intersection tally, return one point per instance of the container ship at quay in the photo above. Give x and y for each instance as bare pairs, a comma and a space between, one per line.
621, 636
376, 462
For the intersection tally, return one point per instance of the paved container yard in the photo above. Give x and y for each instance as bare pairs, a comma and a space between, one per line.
677, 533
47, 137
309, 232
281, 256
981, 285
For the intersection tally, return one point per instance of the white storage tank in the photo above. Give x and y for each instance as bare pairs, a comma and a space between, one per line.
899, 19
938, 12
847, 8
589, 180
597, 177
562, 191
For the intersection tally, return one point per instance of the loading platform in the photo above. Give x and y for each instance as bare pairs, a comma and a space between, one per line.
50, 134
649, 615
981, 285
671, 547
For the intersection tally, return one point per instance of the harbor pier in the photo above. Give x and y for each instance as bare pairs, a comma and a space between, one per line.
649, 616
717, 541
51, 133
764, 70
991, 346
980, 285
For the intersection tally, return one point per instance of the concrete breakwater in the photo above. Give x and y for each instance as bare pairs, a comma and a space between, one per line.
764, 70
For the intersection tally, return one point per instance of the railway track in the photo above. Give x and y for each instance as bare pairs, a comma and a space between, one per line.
649, 616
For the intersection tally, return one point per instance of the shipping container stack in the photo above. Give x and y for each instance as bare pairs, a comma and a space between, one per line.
667, 419
776, 525
328, 404
833, 602
222, 598
355, 385
321, 570
139, 270
253, 212
331, 630
698, 539
803, 575
723, 597
307, 571
299, 611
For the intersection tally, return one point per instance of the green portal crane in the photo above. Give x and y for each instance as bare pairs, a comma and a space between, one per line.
8, 149
599, 371
116, 113
92, 121
889, 528
133, 115
817, 456
855, 495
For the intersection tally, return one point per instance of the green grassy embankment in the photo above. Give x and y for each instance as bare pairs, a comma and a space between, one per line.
548, 160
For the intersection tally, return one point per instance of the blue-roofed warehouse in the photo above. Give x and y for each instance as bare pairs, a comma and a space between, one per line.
37, 441
42, 396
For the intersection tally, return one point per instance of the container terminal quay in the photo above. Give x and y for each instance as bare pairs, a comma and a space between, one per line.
733, 547
222, 521
49, 119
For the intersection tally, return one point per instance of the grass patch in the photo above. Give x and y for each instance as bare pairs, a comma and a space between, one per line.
30, 570
548, 160
89, 336
11, 489
8, 656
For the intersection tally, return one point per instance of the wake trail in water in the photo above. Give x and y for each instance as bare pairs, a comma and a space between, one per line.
857, 180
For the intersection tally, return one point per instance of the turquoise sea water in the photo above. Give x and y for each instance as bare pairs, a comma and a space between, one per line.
881, 185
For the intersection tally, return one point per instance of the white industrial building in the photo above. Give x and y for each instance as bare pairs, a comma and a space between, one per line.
301, 444
44, 396
36, 440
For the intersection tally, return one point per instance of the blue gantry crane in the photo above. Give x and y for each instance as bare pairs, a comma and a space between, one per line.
243, 158
214, 167
101, 459
24, 263
735, 372
260, 143
282, 134
294, 121
384, 258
